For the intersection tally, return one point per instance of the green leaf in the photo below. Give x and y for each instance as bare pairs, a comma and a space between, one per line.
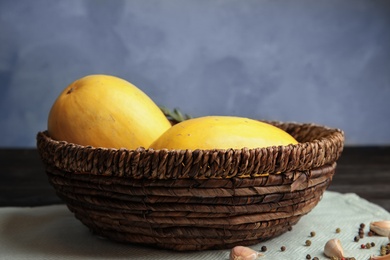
175, 114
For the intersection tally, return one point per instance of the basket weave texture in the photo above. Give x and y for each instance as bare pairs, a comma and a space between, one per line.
194, 200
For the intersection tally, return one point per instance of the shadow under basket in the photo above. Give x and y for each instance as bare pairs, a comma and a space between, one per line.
194, 200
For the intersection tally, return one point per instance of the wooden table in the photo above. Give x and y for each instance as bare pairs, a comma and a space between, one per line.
361, 170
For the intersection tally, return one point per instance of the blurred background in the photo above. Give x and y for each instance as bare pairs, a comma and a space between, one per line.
326, 62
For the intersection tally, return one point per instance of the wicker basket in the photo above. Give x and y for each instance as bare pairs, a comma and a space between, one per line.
194, 200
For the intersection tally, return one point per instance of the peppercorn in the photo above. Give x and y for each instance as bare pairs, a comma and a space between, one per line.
315, 258
308, 243
283, 248
368, 245
263, 248
372, 244
362, 225
370, 233
308, 256
338, 230
312, 234
362, 246
356, 239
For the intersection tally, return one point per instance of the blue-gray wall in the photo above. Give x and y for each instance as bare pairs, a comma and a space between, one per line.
326, 62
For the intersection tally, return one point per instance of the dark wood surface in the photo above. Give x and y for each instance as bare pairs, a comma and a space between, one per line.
361, 170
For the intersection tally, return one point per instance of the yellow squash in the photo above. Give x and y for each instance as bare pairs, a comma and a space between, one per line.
222, 132
106, 111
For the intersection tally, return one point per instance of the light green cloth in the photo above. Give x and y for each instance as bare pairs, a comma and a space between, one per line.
51, 232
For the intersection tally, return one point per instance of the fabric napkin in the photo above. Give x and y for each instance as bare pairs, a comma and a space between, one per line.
52, 232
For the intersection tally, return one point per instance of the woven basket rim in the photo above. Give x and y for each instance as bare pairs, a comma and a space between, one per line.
318, 145
330, 130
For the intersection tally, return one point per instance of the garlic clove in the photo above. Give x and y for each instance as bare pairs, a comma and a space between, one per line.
384, 257
333, 248
381, 228
243, 253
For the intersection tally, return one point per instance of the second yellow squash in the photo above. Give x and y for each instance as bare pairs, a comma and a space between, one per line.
222, 132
